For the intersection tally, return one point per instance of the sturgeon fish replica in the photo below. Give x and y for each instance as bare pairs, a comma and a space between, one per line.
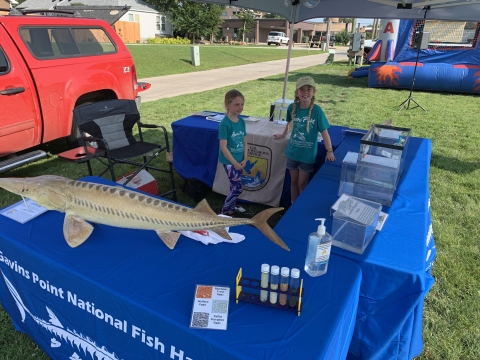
116, 206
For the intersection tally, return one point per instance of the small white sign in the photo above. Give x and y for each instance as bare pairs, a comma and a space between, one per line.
382, 217
23, 213
210, 307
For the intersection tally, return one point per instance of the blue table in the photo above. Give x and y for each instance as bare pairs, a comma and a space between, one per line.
396, 264
196, 145
125, 295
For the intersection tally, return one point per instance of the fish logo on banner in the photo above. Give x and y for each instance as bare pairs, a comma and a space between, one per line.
256, 172
55, 327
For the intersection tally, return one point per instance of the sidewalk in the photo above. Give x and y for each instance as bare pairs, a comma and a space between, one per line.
180, 84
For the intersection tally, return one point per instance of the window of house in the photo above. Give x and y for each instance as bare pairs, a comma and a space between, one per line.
137, 18
158, 22
130, 17
57, 42
164, 21
224, 13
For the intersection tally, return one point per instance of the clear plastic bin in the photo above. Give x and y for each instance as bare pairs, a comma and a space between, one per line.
354, 224
382, 155
280, 112
347, 176
372, 191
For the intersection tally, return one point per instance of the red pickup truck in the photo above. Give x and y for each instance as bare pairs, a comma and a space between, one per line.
48, 66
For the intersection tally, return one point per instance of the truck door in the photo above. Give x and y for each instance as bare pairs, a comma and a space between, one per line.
20, 122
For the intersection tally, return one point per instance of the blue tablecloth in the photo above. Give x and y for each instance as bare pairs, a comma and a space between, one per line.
396, 264
124, 294
196, 145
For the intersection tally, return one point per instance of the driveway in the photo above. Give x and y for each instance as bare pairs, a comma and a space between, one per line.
180, 84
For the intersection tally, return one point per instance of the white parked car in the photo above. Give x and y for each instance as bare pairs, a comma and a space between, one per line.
368, 45
277, 38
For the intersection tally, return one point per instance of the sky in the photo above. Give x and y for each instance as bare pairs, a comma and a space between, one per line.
361, 21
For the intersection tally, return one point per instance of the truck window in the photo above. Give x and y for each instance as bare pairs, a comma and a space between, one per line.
58, 42
93, 41
63, 43
4, 67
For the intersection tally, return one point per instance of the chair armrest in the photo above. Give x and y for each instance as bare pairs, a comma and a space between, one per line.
90, 138
153, 126
148, 126
97, 140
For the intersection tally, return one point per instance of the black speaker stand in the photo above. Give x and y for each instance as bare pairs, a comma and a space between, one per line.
406, 103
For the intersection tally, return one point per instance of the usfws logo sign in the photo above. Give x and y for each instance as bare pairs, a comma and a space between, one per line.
264, 171
256, 172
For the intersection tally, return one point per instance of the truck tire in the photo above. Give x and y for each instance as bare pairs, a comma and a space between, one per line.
74, 140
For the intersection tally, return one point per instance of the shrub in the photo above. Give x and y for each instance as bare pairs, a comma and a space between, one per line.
343, 37
171, 41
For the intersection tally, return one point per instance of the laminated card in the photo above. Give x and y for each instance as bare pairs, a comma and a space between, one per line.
210, 307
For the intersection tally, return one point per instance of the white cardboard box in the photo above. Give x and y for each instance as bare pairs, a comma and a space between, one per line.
143, 181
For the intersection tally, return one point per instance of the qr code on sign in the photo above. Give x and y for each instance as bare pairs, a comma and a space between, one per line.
200, 319
219, 306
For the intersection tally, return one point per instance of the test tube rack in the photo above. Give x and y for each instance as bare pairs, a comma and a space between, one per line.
246, 296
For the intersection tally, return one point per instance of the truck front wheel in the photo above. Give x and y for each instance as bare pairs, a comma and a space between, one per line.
75, 138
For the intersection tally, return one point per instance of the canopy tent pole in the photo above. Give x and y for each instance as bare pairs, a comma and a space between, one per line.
287, 67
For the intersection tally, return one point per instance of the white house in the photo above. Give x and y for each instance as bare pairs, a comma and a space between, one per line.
151, 22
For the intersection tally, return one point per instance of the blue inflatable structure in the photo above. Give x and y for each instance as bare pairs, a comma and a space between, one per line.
451, 63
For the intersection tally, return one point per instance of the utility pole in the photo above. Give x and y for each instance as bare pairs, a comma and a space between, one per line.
327, 37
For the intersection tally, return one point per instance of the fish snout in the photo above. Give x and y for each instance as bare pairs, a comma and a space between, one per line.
14, 185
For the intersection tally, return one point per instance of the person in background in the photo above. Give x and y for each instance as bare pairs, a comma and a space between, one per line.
308, 119
233, 147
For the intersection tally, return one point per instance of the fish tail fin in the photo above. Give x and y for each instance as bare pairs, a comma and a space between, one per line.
260, 222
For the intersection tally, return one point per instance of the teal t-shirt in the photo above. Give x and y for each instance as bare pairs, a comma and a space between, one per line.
234, 133
303, 145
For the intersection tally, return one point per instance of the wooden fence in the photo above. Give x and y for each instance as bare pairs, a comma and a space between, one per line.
128, 31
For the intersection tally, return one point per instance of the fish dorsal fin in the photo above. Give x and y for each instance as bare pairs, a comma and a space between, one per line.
170, 238
76, 230
223, 233
203, 208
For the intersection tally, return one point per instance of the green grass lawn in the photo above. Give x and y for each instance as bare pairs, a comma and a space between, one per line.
158, 60
452, 308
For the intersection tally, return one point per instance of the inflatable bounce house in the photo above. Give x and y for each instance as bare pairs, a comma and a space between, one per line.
449, 62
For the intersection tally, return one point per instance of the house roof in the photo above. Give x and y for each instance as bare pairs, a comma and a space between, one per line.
136, 5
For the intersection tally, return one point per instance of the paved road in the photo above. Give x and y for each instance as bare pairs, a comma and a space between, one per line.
180, 84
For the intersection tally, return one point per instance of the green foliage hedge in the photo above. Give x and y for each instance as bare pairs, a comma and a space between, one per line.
175, 41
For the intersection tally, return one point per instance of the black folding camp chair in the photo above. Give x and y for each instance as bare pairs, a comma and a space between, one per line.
107, 132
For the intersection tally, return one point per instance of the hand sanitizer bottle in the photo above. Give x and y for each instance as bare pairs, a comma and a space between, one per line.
318, 251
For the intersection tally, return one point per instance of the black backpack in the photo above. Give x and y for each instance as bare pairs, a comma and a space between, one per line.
195, 189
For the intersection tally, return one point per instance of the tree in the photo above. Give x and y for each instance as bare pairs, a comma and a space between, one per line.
272, 16
248, 18
343, 37
192, 18
18, 3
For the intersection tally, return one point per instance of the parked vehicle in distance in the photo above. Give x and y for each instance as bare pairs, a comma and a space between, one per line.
277, 38
319, 37
368, 45
50, 65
